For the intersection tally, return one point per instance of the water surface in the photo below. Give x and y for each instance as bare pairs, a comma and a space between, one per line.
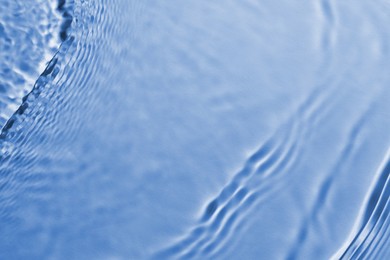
205, 129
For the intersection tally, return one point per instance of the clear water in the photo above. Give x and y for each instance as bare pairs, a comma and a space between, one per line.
194, 129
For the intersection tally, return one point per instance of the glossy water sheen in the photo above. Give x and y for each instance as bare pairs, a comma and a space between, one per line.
194, 129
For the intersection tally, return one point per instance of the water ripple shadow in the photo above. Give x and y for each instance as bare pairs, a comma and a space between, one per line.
375, 222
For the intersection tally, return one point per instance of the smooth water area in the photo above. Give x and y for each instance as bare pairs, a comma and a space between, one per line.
194, 129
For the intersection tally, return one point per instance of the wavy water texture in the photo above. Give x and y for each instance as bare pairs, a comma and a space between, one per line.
65, 9
372, 238
346, 154
28, 40
202, 130
224, 212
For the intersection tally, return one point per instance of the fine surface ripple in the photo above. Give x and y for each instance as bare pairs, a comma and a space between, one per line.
194, 130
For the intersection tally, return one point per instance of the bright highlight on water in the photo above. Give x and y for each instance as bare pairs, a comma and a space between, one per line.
194, 129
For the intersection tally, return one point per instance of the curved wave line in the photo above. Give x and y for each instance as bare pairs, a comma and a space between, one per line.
65, 8
373, 215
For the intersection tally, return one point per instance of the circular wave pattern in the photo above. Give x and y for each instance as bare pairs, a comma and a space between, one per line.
202, 130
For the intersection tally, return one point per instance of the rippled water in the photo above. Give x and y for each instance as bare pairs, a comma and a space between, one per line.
194, 130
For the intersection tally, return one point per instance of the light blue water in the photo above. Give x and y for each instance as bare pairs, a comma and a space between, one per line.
195, 129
